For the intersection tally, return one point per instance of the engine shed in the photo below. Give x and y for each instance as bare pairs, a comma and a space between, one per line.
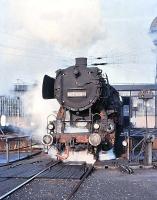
139, 116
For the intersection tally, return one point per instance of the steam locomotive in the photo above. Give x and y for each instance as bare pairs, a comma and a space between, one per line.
89, 118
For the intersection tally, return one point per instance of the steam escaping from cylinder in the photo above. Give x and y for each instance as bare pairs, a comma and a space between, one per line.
83, 156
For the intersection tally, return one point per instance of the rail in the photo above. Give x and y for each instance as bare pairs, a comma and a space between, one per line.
80, 182
27, 181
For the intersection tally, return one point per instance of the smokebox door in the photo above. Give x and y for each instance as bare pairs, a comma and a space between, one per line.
48, 87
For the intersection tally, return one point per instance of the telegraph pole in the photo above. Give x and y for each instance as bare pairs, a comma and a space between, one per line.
145, 95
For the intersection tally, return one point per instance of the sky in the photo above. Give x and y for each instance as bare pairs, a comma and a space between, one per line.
38, 37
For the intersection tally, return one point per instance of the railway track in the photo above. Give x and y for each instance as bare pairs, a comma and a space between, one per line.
27, 181
61, 181
86, 174
52, 173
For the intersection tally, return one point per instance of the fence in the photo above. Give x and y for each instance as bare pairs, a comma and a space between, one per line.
11, 106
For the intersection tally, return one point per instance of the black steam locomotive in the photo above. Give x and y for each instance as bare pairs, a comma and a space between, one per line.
89, 118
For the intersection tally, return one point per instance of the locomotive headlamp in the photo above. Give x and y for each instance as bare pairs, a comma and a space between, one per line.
47, 140
51, 126
96, 126
94, 139
124, 143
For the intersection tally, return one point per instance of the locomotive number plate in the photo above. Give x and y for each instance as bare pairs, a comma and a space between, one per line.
77, 93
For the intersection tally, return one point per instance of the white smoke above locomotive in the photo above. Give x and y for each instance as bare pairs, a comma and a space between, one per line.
55, 31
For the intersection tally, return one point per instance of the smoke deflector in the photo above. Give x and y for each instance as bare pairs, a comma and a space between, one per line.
48, 87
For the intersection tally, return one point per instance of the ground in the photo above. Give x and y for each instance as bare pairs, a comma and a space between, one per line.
102, 184
115, 185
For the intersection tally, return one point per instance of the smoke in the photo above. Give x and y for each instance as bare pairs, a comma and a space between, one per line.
40, 34
71, 24
127, 44
37, 110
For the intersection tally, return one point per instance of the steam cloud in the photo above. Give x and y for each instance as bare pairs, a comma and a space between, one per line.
37, 110
63, 29
71, 24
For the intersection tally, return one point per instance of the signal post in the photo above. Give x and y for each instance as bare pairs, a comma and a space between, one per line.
146, 95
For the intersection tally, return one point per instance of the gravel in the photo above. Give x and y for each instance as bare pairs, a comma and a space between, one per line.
115, 185
44, 190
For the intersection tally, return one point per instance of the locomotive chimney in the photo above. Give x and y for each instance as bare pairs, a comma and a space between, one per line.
81, 62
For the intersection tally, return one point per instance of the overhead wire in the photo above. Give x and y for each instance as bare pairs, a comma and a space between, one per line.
38, 49
34, 55
114, 58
